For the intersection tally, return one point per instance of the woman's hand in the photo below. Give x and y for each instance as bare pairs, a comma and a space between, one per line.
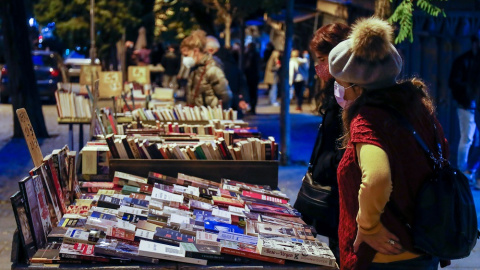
383, 241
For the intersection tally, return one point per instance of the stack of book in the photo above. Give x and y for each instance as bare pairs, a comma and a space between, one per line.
72, 105
192, 148
184, 219
180, 113
44, 198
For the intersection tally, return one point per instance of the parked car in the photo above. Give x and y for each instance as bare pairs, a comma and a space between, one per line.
49, 70
74, 62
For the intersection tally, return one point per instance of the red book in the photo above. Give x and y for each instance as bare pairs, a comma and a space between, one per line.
221, 201
56, 183
263, 197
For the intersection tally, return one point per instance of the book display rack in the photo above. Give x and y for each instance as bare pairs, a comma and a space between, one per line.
180, 211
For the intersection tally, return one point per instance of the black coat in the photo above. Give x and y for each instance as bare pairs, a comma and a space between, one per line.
326, 151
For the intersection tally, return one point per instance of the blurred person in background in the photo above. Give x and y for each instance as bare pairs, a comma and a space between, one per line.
236, 79
298, 76
143, 56
326, 152
171, 64
267, 53
206, 83
130, 58
465, 85
251, 70
271, 76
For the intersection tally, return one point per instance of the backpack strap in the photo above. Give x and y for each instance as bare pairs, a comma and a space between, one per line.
316, 150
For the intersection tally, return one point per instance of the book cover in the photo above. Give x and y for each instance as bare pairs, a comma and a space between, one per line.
56, 235
115, 248
236, 237
45, 213
81, 251
72, 222
31, 206
297, 250
221, 201
50, 198
194, 204
264, 197
207, 239
91, 237
109, 202
264, 208
215, 226
166, 252
266, 229
172, 236
246, 250
23, 224
154, 177
52, 171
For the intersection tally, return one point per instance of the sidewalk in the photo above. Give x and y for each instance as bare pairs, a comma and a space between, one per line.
15, 162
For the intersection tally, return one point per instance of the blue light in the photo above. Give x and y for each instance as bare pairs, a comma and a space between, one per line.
31, 21
67, 51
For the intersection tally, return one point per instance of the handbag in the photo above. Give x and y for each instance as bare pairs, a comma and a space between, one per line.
445, 219
318, 203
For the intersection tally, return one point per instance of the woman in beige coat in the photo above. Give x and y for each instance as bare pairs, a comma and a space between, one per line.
271, 76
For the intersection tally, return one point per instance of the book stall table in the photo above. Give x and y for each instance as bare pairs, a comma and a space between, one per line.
218, 208
74, 121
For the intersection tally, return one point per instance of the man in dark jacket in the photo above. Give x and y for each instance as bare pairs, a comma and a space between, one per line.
236, 79
464, 83
251, 68
171, 63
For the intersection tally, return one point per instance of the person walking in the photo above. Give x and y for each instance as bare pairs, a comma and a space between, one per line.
326, 153
271, 76
382, 160
251, 70
298, 75
464, 83
206, 82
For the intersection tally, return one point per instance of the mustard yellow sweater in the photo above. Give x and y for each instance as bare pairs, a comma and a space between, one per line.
374, 194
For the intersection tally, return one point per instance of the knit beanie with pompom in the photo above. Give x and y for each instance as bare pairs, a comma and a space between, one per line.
367, 58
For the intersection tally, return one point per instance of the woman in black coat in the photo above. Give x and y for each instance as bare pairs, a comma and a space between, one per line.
326, 153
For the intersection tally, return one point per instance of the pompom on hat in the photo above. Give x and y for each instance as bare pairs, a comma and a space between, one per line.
367, 58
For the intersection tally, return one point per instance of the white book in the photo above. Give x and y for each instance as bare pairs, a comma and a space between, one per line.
130, 177
166, 252
121, 149
176, 219
222, 214
164, 196
205, 238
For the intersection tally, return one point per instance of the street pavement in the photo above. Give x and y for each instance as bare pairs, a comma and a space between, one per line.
15, 162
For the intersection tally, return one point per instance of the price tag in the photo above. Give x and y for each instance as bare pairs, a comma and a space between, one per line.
30, 137
139, 74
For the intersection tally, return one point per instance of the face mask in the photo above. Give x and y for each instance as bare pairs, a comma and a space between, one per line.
339, 92
188, 61
323, 72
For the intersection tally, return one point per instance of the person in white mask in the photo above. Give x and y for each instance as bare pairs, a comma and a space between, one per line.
382, 160
207, 84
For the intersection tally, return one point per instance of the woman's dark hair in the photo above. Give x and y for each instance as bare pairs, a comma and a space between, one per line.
410, 98
324, 40
328, 36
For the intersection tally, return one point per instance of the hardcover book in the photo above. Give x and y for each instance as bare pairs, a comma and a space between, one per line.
45, 213
23, 224
32, 209
73, 236
297, 250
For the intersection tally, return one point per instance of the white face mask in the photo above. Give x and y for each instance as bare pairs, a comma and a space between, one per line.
339, 92
188, 61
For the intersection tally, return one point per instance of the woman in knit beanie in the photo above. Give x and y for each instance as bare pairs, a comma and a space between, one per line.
382, 161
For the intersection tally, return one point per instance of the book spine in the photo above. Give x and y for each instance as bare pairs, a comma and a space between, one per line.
111, 146
134, 148
127, 148
217, 257
251, 255
84, 258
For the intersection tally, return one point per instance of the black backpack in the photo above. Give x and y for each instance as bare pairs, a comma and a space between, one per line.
445, 219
